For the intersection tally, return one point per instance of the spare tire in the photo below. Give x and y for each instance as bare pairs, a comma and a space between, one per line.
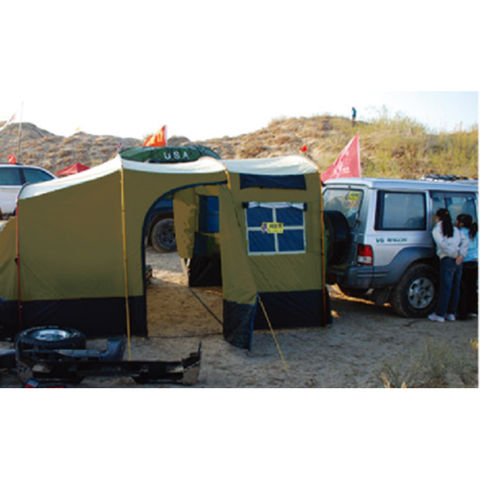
338, 237
50, 338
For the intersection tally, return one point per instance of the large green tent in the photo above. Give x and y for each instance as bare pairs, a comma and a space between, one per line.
74, 253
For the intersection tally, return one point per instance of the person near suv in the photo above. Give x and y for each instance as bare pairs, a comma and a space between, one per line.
452, 248
468, 303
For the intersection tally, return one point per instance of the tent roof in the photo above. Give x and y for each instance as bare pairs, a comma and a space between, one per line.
288, 165
202, 165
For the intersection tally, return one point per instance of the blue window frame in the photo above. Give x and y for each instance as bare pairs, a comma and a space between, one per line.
275, 228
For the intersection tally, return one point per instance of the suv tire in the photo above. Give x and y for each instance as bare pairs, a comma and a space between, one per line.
163, 236
415, 295
50, 338
35, 343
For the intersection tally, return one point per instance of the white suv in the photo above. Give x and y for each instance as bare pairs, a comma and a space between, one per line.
12, 177
381, 243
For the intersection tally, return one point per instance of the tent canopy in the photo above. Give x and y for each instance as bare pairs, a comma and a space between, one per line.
80, 243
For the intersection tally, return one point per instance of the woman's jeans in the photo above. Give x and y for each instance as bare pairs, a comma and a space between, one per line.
468, 302
450, 277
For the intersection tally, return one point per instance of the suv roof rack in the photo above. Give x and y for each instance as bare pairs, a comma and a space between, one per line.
447, 178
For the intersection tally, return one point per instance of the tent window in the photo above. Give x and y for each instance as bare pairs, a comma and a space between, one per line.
275, 228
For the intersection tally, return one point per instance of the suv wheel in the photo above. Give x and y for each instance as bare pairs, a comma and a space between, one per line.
50, 338
163, 236
416, 293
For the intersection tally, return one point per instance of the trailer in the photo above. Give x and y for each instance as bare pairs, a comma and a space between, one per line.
58, 356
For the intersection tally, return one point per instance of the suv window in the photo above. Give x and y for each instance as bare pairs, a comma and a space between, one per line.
33, 175
10, 176
400, 211
345, 201
456, 203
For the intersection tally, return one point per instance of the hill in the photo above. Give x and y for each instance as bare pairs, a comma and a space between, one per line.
390, 147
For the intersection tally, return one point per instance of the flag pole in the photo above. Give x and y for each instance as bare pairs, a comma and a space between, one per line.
20, 131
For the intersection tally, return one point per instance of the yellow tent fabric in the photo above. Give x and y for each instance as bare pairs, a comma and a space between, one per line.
71, 244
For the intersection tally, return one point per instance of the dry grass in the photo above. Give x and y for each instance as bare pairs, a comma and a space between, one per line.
395, 147
436, 365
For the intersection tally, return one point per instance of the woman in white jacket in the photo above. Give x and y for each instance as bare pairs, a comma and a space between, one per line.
451, 249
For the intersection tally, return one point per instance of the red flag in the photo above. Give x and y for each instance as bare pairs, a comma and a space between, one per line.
159, 139
304, 149
11, 159
348, 162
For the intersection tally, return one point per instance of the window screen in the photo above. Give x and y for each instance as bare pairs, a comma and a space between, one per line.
400, 211
275, 228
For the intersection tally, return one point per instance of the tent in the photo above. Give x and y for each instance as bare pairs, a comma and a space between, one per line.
265, 226
81, 262
72, 169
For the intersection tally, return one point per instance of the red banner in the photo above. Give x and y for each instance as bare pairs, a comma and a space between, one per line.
159, 139
348, 162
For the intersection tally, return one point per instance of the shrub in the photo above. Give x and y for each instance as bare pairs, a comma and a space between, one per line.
436, 365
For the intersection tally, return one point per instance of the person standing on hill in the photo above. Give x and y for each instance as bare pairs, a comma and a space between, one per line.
354, 115
468, 303
451, 249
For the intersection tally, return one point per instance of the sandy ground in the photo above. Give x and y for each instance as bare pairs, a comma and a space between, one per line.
351, 353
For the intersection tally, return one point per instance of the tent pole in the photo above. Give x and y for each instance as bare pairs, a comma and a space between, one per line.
17, 260
324, 268
125, 269
285, 366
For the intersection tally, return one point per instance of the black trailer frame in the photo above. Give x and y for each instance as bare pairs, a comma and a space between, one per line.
41, 366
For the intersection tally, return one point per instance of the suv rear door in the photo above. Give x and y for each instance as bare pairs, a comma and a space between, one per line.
400, 222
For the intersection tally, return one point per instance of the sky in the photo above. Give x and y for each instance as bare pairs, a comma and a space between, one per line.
209, 69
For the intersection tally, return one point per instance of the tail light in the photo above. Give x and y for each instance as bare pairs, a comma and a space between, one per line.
364, 255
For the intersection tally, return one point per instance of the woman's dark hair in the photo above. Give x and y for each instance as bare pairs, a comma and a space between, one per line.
467, 221
447, 228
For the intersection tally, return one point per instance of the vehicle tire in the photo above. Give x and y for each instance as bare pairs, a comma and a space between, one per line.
416, 293
338, 237
50, 338
163, 236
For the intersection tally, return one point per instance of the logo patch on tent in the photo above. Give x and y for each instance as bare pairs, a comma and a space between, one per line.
272, 227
